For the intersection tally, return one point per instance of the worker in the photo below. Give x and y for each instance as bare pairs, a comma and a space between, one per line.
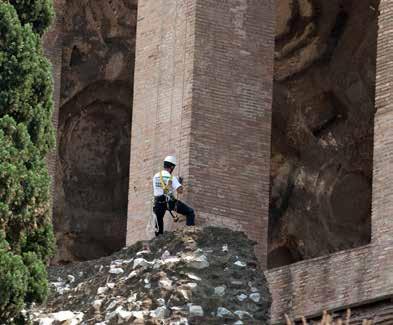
166, 186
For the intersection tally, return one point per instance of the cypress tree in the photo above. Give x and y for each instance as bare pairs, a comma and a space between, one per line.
26, 137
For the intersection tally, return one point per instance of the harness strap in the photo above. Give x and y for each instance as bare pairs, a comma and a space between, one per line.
164, 186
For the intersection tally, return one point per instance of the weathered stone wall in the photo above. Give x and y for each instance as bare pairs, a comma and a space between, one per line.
203, 92
94, 128
53, 45
322, 130
362, 275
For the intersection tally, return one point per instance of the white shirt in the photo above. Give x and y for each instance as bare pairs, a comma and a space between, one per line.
166, 176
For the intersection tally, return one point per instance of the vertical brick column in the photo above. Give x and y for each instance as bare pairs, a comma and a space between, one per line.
203, 90
231, 115
52, 43
382, 208
162, 100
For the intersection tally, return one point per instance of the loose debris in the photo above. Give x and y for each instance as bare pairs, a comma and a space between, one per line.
192, 276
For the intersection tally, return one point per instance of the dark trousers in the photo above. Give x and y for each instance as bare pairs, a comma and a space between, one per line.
161, 206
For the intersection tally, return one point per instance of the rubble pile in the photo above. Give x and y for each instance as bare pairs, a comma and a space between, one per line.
191, 276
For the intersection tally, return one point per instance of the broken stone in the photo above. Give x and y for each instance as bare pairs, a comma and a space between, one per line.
45, 321
242, 314
161, 302
219, 291
195, 311
123, 315
132, 298
225, 248
102, 290
116, 270
97, 304
138, 315
110, 285
197, 262
143, 252
241, 297
141, 262
240, 264
112, 305
191, 285
255, 297
159, 312
223, 312
70, 278
165, 283
193, 277
63, 316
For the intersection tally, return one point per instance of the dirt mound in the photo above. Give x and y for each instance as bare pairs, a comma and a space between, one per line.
191, 276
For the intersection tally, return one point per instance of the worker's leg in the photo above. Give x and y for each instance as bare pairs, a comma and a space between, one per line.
159, 209
187, 211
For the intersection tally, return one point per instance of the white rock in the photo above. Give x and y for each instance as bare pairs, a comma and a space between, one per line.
101, 323
159, 312
128, 261
185, 294
242, 314
171, 260
80, 274
191, 285
45, 321
240, 264
219, 291
225, 248
147, 286
137, 314
181, 321
143, 252
255, 297
116, 270
102, 290
195, 310
165, 283
198, 262
112, 305
223, 312
117, 262
241, 297
110, 285
70, 278
132, 275
239, 322
141, 262
161, 302
132, 298
146, 280
165, 255
97, 304
123, 315
193, 277
253, 289
63, 316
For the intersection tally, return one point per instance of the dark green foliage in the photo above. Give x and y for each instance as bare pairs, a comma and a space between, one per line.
38, 13
26, 136
13, 284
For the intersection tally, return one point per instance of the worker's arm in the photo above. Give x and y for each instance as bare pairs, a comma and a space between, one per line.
176, 185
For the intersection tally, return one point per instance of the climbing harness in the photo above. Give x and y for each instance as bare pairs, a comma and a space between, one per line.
169, 197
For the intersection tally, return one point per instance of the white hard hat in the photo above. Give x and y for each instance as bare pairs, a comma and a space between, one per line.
170, 159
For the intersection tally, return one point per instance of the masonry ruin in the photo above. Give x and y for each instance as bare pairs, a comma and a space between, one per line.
322, 128
292, 107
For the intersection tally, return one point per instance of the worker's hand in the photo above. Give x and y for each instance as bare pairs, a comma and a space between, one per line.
180, 190
181, 180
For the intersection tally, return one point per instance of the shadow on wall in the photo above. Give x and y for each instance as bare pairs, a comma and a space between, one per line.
322, 132
91, 185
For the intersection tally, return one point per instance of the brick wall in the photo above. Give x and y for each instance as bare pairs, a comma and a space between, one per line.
162, 100
203, 87
231, 115
362, 275
52, 43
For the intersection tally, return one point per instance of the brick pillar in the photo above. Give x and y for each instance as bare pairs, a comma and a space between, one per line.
52, 43
382, 209
203, 90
